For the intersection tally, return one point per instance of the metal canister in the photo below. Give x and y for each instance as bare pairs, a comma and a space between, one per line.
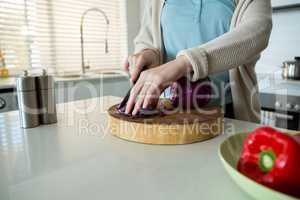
27, 101
291, 69
46, 98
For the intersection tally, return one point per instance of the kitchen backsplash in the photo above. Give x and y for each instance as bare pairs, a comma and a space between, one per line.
284, 42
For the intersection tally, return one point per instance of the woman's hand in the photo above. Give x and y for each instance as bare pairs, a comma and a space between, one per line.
153, 82
146, 59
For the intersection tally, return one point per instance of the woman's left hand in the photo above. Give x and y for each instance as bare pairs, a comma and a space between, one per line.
153, 82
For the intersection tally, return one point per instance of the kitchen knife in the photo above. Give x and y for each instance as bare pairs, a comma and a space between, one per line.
126, 98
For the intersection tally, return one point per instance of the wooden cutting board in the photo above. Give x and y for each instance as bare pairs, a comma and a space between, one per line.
180, 127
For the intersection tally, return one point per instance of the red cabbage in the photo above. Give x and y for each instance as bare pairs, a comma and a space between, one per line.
190, 95
143, 113
184, 94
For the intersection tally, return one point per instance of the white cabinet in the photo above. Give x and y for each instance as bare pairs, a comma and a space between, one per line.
62, 90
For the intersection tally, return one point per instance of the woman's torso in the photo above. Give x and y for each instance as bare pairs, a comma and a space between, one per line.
191, 23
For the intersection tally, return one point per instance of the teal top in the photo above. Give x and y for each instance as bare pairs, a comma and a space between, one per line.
190, 23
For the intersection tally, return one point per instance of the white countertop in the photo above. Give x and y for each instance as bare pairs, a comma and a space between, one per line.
78, 159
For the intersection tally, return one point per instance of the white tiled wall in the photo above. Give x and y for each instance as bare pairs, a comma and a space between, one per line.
284, 41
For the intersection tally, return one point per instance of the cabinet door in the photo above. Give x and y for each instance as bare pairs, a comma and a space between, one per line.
85, 89
115, 87
63, 90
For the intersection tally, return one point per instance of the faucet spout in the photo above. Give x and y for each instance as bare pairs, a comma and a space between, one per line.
83, 67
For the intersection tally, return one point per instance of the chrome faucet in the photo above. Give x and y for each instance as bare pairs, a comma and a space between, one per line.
83, 66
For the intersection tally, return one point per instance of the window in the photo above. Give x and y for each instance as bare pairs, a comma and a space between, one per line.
46, 33
13, 40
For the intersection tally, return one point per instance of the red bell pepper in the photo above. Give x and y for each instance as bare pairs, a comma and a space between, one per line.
297, 137
272, 158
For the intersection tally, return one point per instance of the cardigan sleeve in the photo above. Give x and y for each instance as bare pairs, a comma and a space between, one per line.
144, 39
237, 47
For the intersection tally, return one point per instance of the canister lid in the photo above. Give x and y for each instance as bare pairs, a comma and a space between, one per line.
296, 61
45, 81
25, 82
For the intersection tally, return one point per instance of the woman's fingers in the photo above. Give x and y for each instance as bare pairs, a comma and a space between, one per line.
133, 96
150, 83
152, 95
145, 92
126, 65
137, 63
140, 99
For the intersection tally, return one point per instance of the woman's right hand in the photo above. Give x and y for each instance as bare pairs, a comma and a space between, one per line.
136, 63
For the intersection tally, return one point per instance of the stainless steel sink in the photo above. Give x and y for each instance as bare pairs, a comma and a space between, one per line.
108, 72
68, 76
88, 74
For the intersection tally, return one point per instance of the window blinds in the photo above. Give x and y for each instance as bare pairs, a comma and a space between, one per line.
13, 40
49, 33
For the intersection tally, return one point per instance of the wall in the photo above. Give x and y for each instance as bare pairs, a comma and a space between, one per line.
284, 41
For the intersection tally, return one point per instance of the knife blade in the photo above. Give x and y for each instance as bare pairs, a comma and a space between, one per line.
126, 98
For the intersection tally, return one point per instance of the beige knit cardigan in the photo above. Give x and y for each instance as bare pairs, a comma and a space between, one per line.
236, 51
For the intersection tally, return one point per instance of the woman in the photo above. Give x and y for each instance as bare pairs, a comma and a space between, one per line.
217, 39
